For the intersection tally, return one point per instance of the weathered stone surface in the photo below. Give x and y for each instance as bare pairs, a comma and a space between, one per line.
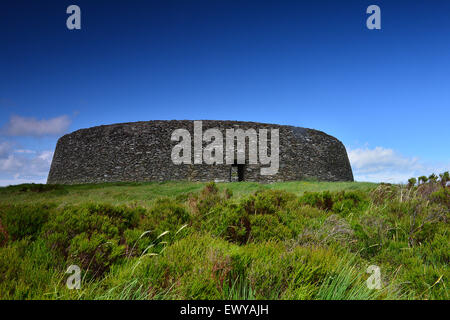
141, 151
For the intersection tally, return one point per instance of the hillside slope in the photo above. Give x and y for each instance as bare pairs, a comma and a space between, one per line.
180, 240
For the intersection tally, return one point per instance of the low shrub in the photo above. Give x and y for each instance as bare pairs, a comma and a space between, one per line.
201, 203
442, 196
165, 215
267, 201
94, 252
321, 200
90, 234
345, 202
22, 221
268, 227
342, 202
229, 221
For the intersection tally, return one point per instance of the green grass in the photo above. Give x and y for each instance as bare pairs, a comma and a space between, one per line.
145, 193
187, 240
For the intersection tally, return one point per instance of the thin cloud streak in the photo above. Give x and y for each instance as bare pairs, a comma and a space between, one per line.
21, 126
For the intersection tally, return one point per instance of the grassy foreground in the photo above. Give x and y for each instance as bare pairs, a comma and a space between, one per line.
183, 240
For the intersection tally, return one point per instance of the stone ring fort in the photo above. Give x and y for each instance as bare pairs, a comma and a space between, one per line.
141, 151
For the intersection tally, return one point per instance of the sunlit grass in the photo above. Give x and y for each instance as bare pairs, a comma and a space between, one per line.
145, 193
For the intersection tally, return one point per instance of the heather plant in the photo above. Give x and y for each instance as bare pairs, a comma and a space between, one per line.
229, 221
165, 215
321, 200
201, 203
90, 235
24, 221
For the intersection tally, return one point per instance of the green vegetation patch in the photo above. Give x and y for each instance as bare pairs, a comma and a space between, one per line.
182, 240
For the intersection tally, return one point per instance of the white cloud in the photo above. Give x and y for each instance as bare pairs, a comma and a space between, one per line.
386, 165
22, 168
20, 126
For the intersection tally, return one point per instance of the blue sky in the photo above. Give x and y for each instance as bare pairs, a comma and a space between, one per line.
384, 93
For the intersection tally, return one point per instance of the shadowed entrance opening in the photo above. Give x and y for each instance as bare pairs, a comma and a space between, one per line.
237, 172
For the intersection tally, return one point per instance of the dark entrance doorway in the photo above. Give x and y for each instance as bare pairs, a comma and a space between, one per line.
241, 172
237, 172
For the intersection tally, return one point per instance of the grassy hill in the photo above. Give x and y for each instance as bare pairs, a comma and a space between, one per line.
186, 240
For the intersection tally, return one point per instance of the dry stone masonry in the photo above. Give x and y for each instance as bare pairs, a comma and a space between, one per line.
141, 151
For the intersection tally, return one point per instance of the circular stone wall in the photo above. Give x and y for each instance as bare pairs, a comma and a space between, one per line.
141, 151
